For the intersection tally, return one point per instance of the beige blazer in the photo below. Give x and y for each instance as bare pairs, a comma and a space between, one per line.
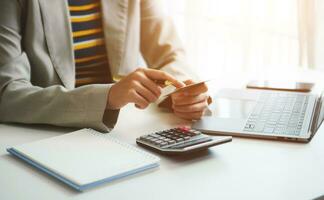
37, 71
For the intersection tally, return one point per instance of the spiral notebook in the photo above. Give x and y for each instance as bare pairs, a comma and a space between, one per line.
86, 158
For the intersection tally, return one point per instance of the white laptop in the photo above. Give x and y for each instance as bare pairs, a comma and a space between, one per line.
264, 114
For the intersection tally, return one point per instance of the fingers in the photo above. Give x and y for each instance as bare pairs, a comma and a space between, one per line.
149, 84
201, 106
146, 87
145, 93
139, 101
190, 107
180, 99
190, 103
140, 88
189, 82
161, 75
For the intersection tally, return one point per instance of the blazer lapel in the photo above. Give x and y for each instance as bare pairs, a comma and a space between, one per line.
58, 36
115, 13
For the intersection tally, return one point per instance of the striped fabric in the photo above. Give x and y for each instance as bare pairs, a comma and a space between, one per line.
91, 62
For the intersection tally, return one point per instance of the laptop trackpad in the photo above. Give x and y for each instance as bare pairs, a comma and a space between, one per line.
231, 108
228, 115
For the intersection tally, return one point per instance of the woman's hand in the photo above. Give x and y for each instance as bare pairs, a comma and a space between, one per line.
139, 87
192, 103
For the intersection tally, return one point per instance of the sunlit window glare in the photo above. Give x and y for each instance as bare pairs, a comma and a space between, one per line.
255, 38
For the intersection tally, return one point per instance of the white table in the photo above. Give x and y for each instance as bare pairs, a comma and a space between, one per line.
242, 169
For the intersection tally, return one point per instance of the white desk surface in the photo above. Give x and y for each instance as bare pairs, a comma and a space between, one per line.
242, 169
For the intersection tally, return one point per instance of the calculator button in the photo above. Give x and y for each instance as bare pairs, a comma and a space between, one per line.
163, 144
186, 137
179, 139
195, 132
184, 128
171, 142
153, 140
154, 135
144, 137
162, 133
158, 142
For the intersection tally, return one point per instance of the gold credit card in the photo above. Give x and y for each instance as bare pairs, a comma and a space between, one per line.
176, 90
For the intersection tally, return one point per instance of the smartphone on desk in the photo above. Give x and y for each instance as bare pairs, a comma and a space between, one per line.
281, 85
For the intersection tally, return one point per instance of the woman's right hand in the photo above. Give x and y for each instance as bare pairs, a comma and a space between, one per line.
140, 88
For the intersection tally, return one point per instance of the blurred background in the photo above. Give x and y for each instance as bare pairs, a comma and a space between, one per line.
251, 39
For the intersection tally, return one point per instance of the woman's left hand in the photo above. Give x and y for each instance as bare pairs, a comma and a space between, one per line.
192, 103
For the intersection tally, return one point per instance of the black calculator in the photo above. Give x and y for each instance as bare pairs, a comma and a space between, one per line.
180, 140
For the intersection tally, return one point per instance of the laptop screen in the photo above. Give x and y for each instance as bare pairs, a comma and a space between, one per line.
321, 113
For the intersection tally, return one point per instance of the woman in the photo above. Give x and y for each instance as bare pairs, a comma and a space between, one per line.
58, 61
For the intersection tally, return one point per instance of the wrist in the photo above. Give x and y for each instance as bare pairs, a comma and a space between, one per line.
110, 105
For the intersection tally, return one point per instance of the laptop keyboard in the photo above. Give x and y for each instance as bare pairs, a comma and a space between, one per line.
278, 113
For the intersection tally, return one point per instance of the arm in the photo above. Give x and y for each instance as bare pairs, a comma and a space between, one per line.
160, 45
23, 102
162, 49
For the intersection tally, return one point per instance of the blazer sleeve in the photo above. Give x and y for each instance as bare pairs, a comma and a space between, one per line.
160, 44
23, 102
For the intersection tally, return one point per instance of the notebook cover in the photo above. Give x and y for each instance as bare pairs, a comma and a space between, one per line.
82, 187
